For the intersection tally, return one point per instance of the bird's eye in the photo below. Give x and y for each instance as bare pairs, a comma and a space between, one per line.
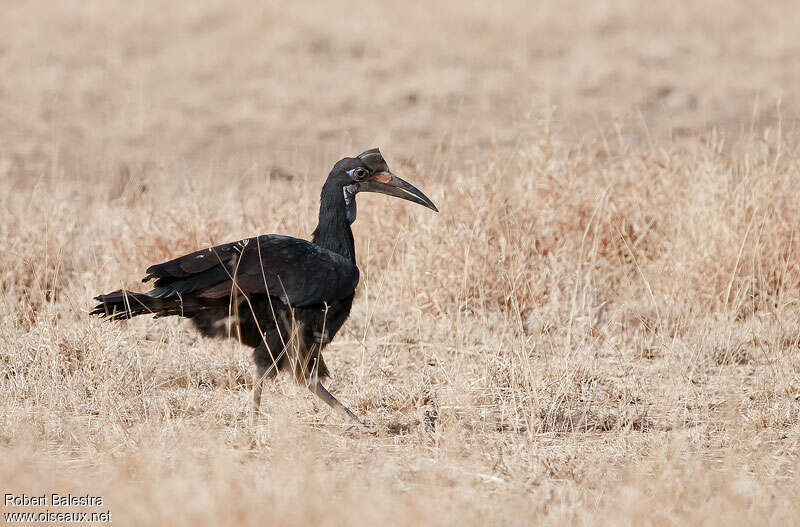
359, 173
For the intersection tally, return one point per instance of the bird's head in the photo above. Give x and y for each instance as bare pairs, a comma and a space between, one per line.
368, 172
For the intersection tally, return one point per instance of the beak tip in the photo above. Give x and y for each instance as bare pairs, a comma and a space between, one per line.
387, 183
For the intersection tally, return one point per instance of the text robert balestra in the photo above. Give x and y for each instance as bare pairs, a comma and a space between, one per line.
52, 500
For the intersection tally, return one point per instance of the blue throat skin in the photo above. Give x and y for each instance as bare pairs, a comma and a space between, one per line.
350, 202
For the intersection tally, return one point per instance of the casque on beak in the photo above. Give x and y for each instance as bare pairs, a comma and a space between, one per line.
387, 183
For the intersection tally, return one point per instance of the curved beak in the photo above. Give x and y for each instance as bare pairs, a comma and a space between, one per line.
388, 183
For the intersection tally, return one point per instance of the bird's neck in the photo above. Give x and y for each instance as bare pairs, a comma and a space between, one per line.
333, 230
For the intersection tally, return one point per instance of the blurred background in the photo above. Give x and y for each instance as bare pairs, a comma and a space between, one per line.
287, 88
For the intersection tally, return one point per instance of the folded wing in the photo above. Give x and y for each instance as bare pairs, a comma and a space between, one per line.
297, 271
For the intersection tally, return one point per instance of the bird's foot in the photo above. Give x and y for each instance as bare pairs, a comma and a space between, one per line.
320, 391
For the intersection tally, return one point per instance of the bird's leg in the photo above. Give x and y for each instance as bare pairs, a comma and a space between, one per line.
319, 390
258, 383
266, 368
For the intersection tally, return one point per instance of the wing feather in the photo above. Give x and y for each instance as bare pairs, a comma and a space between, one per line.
296, 271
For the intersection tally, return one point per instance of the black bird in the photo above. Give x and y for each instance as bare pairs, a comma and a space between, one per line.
283, 296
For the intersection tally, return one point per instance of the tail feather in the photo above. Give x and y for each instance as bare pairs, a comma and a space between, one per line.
121, 304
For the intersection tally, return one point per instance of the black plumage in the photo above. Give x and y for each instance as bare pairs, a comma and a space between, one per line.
285, 297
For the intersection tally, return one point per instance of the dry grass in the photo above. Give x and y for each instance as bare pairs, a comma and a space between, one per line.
601, 326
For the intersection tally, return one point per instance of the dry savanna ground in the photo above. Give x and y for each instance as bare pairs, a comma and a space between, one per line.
600, 326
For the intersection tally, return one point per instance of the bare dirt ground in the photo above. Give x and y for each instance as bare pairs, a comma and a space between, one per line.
601, 325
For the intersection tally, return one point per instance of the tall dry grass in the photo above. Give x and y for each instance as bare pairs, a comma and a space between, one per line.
599, 327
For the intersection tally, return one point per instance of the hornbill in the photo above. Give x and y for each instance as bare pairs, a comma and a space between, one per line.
285, 297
